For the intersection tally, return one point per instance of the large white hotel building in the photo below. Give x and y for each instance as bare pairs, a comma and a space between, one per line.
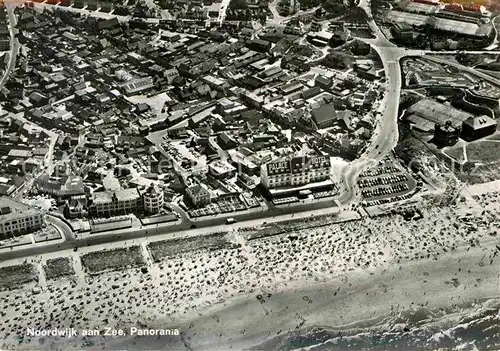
295, 171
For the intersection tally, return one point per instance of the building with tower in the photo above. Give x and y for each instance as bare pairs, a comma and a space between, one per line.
153, 199
446, 135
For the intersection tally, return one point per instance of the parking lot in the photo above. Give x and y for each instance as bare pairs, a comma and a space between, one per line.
387, 201
385, 182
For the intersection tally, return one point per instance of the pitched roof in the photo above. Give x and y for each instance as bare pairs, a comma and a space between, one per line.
480, 122
324, 113
197, 190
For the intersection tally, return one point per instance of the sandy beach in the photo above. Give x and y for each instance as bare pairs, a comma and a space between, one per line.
359, 273
355, 300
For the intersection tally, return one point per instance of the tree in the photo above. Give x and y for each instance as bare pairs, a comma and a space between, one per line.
238, 4
335, 7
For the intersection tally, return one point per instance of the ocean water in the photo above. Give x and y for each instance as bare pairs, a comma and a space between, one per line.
467, 327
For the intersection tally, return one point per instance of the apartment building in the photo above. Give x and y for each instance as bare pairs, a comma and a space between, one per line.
118, 202
17, 218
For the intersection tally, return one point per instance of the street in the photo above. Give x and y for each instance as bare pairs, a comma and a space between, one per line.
184, 227
14, 43
386, 134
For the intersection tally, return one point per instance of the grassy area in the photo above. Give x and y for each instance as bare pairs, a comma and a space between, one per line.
168, 248
456, 153
58, 267
13, 276
477, 174
483, 151
112, 260
494, 137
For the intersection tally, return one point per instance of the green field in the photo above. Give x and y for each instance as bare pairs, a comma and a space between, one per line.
483, 151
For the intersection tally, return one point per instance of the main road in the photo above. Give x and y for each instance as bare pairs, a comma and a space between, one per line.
14, 43
186, 227
386, 135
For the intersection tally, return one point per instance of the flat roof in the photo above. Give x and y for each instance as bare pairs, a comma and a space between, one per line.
436, 112
16, 209
19, 153
127, 194
444, 24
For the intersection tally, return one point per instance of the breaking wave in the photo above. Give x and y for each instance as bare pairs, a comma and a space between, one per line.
472, 327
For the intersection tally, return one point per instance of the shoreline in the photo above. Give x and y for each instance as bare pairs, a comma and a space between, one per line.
365, 293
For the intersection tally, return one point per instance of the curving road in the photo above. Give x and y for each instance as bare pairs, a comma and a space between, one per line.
14, 43
223, 11
386, 134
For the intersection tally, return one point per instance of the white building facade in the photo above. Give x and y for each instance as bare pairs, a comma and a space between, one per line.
295, 171
153, 199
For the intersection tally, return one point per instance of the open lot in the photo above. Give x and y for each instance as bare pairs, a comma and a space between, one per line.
168, 248
58, 268
13, 276
111, 260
